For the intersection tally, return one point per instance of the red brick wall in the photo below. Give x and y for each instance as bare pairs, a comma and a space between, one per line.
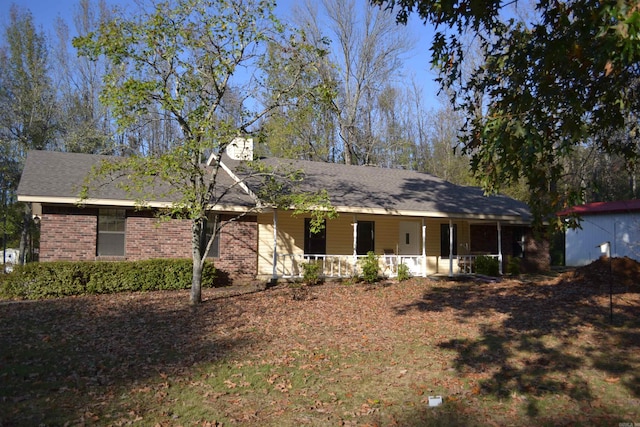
70, 234
68, 237
239, 248
148, 237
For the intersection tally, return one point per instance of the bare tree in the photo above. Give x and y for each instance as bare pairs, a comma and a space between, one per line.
85, 124
302, 126
367, 48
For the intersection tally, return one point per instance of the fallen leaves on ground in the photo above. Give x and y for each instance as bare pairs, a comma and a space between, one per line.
535, 350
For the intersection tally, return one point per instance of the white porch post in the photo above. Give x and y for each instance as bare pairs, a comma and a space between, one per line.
355, 243
450, 247
499, 248
424, 249
274, 273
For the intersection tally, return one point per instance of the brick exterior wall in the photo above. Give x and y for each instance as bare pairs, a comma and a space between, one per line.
70, 234
239, 248
147, 237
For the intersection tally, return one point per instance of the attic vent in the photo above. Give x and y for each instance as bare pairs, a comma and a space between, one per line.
240, 149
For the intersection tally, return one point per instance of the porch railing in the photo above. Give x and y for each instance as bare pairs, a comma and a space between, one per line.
342, 266
466, 263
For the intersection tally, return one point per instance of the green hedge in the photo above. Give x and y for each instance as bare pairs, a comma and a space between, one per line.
58, 279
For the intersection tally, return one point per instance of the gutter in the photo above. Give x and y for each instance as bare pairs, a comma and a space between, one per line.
114, 202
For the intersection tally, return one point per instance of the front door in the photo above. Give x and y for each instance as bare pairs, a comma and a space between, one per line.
409, 244
409, 238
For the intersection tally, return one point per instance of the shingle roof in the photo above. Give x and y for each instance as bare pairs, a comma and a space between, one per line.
356, 188
49, 174
397, 191
56, 174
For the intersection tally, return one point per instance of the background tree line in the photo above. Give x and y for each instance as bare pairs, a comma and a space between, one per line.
368, 112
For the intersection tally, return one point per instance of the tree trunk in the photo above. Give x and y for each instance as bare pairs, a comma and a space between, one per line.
196, 282
24, 235
197, 229
349, 140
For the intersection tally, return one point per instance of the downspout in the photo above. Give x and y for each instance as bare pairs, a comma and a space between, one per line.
424, 249
274, 273
450, 247
499, 249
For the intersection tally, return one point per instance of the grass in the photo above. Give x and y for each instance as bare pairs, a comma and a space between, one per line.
536, 352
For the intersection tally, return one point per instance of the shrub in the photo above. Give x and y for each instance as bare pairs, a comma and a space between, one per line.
403, 272
370, 267
489, 266
58, 279
311, 273
349, 281
513, 267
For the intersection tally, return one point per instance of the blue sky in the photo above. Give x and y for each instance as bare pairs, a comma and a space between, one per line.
416, 64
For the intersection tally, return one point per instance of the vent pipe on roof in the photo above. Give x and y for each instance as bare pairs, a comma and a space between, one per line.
240, 149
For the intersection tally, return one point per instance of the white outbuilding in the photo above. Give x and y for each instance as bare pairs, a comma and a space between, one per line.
9, 258
605, 226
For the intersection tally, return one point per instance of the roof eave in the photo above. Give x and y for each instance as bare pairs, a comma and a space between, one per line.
513, 219
119, 203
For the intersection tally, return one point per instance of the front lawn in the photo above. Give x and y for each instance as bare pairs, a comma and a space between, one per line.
518, 352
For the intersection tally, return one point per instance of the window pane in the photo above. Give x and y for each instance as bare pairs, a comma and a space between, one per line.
315, 243
103, 222
111, 220
214, 250
118, 224
111, 232
111, 244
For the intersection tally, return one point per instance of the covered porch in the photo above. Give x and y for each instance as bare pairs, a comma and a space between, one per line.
426, 245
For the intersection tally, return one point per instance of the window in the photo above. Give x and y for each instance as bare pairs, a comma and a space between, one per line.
315, 243
365, 241
444, 240
212, 222
111, 231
